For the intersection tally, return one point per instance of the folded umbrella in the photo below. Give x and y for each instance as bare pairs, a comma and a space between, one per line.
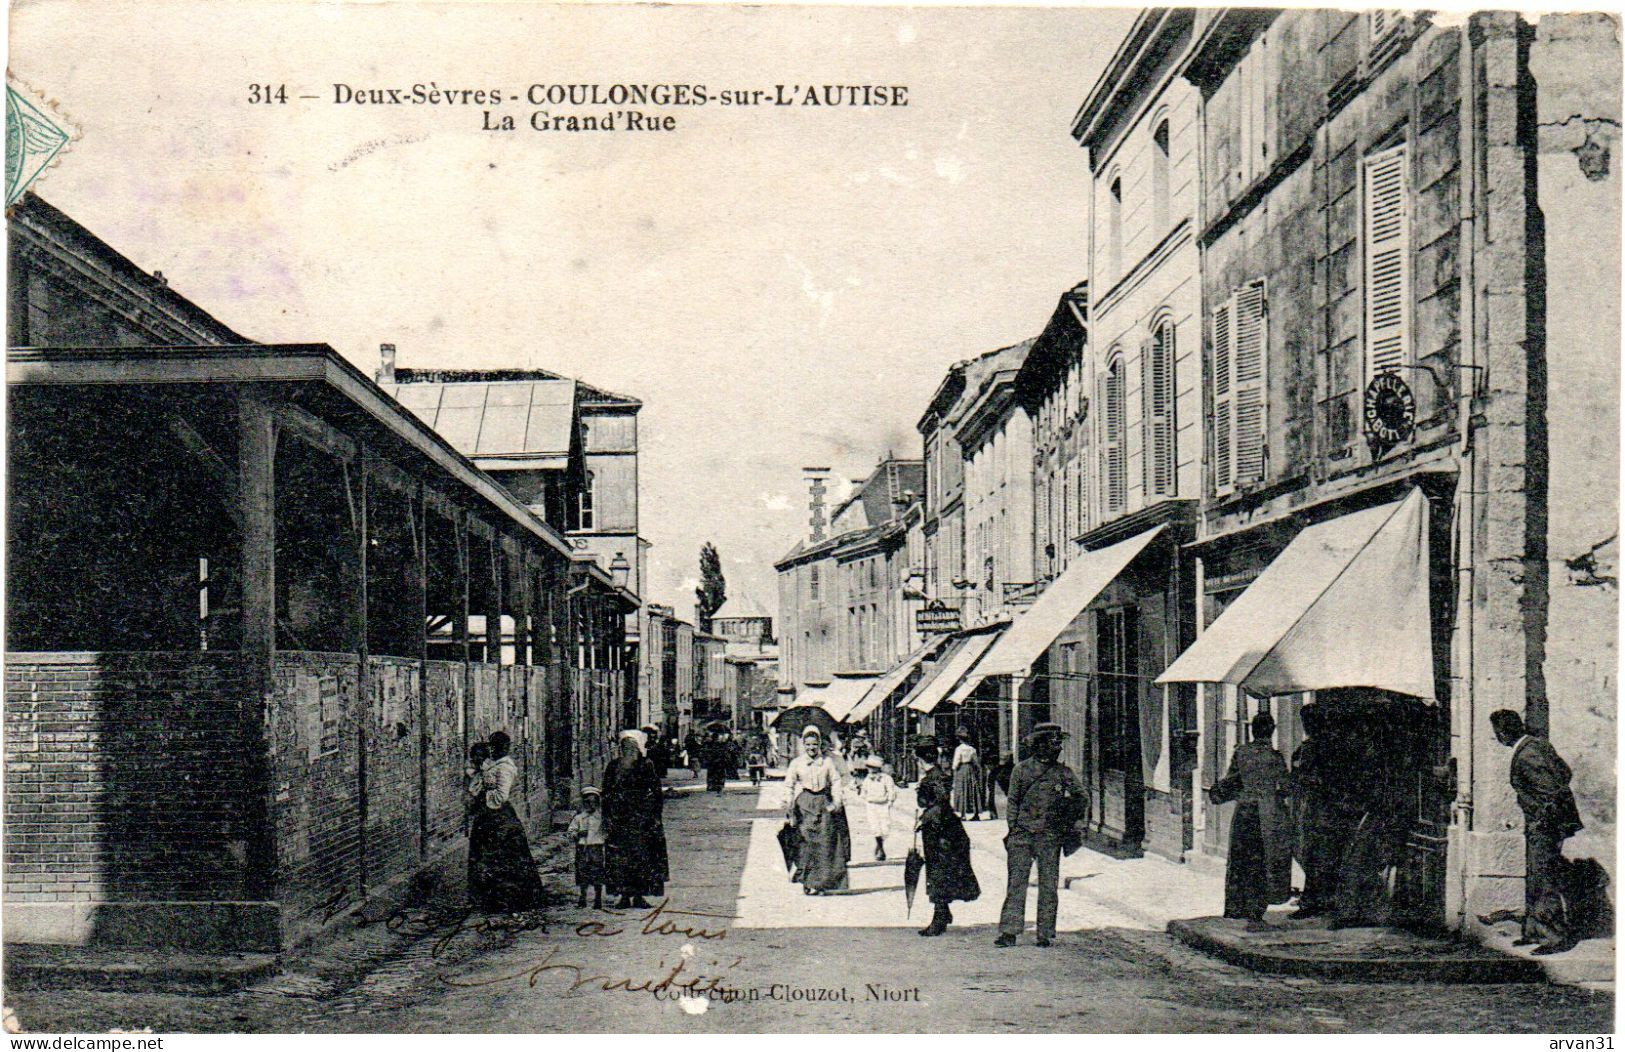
913, 866
790, 845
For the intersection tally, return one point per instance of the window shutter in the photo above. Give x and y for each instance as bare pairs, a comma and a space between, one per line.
1159, 413
1249, 382
1148, 438
1113, 460
1224, 477
1387, 262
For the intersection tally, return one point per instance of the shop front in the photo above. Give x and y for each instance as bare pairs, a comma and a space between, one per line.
1344, 614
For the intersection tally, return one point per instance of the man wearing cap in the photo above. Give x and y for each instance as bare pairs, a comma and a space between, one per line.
1045, 804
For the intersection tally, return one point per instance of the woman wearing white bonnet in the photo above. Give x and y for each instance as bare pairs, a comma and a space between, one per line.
817, 802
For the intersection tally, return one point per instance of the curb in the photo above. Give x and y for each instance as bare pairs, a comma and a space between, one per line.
196, 977
1491, 968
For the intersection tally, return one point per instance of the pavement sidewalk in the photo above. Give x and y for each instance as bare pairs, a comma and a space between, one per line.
1099, 891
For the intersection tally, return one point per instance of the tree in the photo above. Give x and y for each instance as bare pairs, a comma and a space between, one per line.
713, 589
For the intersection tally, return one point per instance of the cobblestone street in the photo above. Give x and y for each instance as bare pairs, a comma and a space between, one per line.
852, 966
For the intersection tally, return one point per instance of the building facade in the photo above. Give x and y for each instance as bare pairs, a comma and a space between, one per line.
297, 605
1376, 261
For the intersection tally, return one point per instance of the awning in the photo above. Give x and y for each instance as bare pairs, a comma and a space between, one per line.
929, 694
1063, 600
888, 683
844, 694
1345, 605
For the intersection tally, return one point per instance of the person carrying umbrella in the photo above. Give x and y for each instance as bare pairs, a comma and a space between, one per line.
948, 874
817, 800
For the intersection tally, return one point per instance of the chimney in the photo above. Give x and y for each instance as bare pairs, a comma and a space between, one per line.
386, 363
816, 491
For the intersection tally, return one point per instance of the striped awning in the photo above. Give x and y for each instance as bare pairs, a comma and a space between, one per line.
887, 684
844, 694
951, 671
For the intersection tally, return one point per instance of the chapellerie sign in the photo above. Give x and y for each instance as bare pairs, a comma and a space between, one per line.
936, 617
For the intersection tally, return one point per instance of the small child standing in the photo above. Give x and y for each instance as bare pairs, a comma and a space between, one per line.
479, 758
757, 762
879, 792
587, 830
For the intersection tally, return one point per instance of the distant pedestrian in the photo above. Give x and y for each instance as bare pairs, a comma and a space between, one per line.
966, 780
659, 758
756, 762
587, 832
1540, 779
1258, 869
692, 746
879, 792
1045, 804
502, 874
813, 787
999, 782
718, 761
948, 874
635, 859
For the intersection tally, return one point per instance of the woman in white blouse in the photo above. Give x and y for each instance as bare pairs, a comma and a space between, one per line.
817, 796
501, 873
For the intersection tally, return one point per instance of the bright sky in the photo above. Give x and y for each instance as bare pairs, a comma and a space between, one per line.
780, 286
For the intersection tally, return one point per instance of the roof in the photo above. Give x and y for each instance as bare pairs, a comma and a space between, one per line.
34, 213
1057, 347
885, 489
736, 606
589, 395
275, 363
497, 423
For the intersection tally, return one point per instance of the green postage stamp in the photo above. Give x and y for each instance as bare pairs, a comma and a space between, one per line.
35, 135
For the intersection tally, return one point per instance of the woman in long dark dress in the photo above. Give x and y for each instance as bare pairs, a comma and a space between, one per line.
946, 846
1258, 871
501, 873
635, 860
813, 785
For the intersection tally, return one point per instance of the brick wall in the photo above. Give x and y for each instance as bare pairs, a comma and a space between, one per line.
315, 719
444, 686
124, 778
393, 768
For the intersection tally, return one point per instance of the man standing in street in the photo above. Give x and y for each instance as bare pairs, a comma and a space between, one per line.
1540, 778
1045, 804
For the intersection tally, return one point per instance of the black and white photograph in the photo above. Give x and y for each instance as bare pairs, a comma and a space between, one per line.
533, 518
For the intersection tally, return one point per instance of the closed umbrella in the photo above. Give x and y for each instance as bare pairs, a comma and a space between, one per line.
790, 846
913, 866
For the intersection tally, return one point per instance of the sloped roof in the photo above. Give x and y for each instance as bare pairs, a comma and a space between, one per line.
527, 422
587, 393
740, 606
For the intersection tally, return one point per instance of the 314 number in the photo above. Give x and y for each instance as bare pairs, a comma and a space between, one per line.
268, 94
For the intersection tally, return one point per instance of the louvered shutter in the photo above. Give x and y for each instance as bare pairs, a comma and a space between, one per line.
1224, 476
1387, 262
1148, 441
1159, 414
1250, 354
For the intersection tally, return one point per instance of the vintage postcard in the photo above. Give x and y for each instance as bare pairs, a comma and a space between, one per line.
531, 518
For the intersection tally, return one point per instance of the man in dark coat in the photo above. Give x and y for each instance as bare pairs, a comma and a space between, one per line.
1044, 805
1540, 779
658, 756
1321, 826
948, 874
